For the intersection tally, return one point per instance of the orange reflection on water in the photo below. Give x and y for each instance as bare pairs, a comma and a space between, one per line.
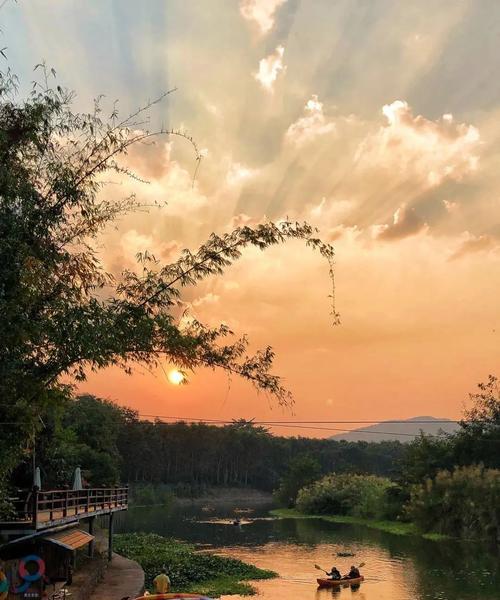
386, 577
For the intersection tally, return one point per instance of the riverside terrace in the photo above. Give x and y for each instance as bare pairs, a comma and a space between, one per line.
38, 512
44, 526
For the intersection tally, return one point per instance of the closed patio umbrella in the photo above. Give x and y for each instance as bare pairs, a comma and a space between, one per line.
77, 479
37, 478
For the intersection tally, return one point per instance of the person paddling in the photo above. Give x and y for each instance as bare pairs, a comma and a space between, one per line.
334, 574
353, 573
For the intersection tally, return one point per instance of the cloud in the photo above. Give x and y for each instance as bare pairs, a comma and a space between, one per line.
269, 69
430, 151
261, 12
450, 206
405, 223
238, 173
311, 125
242, 220
122, 248
209, 298
150, 160
474, 244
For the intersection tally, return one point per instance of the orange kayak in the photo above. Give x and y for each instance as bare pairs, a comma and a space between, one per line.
337, 582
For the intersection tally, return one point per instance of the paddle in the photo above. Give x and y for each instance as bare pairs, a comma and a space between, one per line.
320, 569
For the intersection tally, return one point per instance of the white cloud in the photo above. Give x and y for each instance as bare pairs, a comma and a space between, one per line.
430, 151
311, 125
261, 12
238, 173
269, 69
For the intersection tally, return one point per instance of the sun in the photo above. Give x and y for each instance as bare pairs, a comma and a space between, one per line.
175, 377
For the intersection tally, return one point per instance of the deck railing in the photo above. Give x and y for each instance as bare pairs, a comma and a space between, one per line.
39, 506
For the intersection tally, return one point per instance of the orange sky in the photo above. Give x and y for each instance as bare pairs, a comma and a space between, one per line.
378, 122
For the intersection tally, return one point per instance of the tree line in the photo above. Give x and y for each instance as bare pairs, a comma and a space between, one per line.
111, 444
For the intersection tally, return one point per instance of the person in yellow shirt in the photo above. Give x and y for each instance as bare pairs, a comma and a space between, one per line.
162, 582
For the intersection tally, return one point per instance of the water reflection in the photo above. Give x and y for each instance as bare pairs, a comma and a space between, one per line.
397, 567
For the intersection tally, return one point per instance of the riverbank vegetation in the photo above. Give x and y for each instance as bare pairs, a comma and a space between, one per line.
363, 496
446, 486
395, 527
463, 503
189, 571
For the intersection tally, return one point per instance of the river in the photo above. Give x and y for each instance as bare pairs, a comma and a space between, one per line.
397, 567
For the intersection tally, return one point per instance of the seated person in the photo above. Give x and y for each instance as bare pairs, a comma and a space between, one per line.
162, 582
334, 573
353, 573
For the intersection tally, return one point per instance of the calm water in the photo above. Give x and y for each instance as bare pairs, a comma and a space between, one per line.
397, 567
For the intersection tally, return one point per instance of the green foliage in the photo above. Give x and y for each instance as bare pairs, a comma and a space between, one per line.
302, 471
82, 432
147, 494
462, 503
476, 442
426, 455
188, 570
364, 496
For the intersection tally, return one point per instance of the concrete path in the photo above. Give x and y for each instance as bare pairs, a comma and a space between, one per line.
123, 578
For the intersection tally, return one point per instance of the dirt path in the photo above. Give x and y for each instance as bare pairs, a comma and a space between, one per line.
123, 578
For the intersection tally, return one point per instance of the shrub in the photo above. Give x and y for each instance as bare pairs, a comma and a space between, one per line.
462, 503
365, 496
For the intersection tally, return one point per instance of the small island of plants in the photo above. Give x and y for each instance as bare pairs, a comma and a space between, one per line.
189, 571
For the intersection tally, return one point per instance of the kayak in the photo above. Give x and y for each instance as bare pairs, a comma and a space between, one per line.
173, 596
336, 582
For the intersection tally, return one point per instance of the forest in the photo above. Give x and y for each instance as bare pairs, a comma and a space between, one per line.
110, 443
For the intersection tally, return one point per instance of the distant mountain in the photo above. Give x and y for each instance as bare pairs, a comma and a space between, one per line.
404, 431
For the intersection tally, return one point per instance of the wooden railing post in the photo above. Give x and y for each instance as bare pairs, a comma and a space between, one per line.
110, 535
35, 507
65, 509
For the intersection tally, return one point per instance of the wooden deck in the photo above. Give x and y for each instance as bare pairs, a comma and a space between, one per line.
40, 509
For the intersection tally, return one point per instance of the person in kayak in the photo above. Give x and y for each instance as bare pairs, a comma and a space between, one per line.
353, 573
334, 574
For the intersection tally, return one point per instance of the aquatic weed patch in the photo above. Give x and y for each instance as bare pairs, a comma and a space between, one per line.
189, 570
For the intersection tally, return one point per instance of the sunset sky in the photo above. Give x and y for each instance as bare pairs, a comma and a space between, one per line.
377, 121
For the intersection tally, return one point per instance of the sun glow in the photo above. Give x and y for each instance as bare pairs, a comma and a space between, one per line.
175, 377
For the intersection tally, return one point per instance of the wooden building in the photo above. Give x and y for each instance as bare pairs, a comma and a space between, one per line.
45, 532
